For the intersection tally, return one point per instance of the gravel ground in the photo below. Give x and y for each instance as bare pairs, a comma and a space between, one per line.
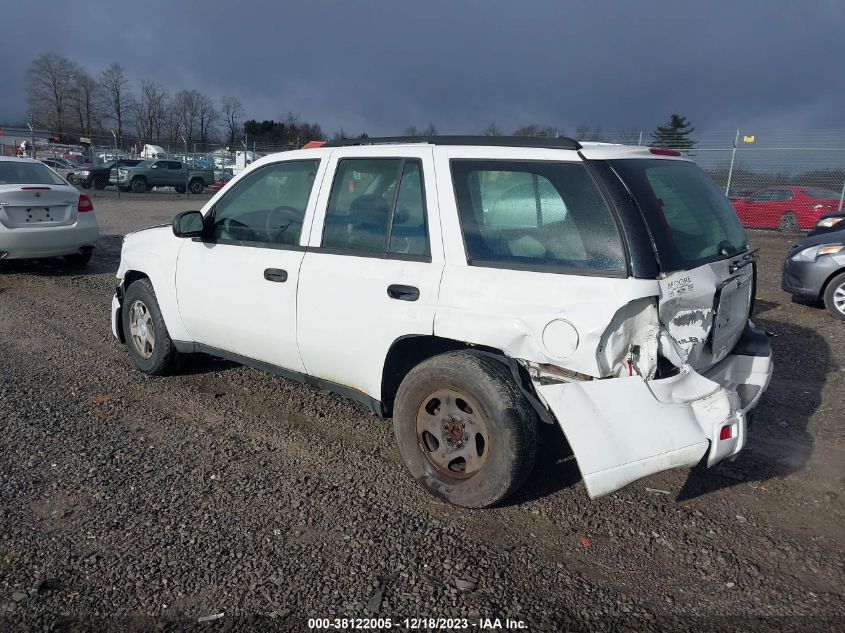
129, 502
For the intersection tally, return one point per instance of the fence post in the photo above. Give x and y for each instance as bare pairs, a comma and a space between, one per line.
731, 168
640, 142
842, 195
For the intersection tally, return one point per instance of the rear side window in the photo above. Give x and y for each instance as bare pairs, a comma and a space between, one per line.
690, 219
536, 215
377, 206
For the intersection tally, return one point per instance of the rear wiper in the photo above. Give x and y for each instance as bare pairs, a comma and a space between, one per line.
748, 258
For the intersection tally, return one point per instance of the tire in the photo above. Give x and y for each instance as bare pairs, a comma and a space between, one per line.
71, 179
79, 259
834, 296
85, 184
196, 186
788, 223
139, 185
474, 395
180, 188
100, 182
157, 357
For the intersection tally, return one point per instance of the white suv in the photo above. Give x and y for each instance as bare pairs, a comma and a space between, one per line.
473, 289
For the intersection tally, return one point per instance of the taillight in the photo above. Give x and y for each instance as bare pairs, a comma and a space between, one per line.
664, 151
85, 203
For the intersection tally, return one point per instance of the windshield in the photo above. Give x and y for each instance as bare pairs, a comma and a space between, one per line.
690, 219
25, 173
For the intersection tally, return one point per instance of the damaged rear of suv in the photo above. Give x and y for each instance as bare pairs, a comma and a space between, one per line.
472, 289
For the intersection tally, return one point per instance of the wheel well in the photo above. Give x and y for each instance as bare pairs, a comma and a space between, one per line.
408, 352
129, 278
827, 282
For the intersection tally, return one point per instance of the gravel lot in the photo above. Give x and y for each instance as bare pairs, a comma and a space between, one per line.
147, 503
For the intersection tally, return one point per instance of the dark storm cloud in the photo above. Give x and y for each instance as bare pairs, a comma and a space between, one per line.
380, 66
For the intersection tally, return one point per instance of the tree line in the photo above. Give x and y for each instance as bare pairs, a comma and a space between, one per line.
72, 102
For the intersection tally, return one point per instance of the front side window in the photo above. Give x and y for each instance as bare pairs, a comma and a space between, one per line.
377, 206
546, 215
267, 206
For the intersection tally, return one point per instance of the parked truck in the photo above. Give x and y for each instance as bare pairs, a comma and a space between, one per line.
161, 173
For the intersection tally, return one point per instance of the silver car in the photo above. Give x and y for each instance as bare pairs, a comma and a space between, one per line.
41, 215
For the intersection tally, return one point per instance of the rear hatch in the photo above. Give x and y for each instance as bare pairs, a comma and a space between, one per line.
708, 272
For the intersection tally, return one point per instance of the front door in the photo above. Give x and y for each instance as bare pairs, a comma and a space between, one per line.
237, 287
372, 272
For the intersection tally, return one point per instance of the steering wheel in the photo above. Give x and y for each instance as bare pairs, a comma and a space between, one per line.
277, 232
237, 230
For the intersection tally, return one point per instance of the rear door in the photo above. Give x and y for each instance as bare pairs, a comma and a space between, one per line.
372, 271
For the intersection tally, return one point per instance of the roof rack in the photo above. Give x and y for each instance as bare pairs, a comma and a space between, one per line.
561, 142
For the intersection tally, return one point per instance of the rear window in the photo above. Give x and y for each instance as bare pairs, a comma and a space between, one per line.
690, 219
821, 194
547, 216
13, 172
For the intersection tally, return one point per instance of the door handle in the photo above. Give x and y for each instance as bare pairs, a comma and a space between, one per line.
403, 293
275, 274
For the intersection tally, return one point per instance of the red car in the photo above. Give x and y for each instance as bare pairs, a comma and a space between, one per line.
785, 208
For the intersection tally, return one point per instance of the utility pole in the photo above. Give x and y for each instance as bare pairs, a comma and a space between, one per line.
116, 166
185, 165
31, 135
731, 168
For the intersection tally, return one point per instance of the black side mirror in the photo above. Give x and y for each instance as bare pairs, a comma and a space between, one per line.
189, 224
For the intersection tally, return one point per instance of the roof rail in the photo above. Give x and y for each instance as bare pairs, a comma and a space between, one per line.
561, 142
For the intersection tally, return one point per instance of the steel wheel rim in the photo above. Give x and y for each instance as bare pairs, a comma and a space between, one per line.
141, 329
839, 298
452, 434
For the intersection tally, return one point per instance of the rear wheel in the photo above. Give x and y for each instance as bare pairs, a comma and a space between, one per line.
788, 223
834, 296
139, 185
180, 188
464, 429
147, 339
196, 186
79, 259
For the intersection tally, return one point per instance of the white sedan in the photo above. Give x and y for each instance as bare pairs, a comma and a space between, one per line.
41, 215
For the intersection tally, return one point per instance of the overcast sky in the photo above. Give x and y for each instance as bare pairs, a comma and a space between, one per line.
380, 66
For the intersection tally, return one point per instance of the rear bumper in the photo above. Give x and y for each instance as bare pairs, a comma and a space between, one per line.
32, 243
624, 429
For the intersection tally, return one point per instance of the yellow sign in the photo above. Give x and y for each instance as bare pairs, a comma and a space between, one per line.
747, 139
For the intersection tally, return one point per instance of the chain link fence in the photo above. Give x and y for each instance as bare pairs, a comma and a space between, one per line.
776, 179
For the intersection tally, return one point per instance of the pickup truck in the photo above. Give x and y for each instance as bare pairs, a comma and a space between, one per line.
161, 173
98, 176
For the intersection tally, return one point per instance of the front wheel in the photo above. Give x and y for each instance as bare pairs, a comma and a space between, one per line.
464, 429
139, 185
834, 296
147, 339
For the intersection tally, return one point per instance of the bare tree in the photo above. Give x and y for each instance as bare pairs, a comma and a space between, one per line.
116, 95
585, 132
86, 102
208, 117
232, 112
49, 82
413, 130
491, 130
186, 108
151, 110
536, 129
